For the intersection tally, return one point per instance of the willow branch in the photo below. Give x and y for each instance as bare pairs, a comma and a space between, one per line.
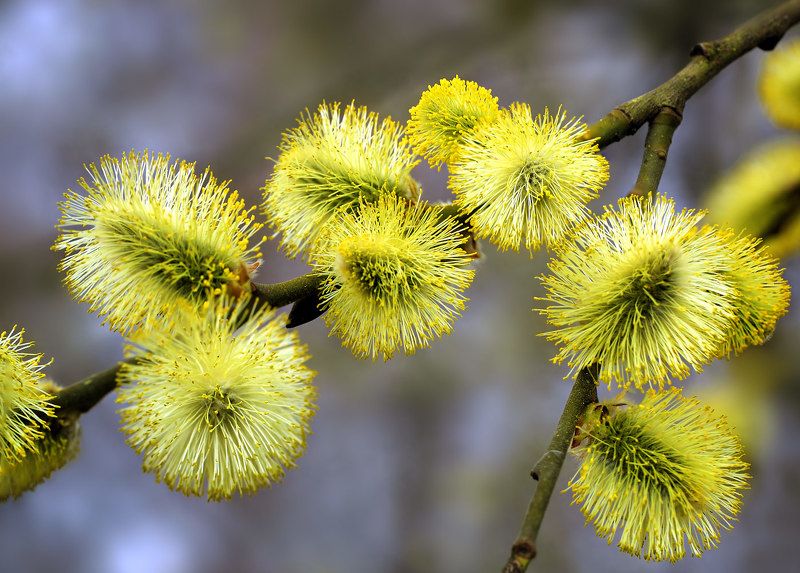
547, 470
707, 60
656, 148
287, 292
84, 395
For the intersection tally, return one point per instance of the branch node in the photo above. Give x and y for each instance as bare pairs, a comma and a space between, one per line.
768, 44
703, 49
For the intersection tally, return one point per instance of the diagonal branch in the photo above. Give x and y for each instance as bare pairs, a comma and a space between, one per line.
707, 60
584, 392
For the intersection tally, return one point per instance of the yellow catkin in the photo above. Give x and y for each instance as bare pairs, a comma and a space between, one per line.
445, 115
762, 294
148, 235
218, 402
58, 445
761, 196
335, 158
24, 405
643, 291
395, 275
779, 85
660, 474
524, 180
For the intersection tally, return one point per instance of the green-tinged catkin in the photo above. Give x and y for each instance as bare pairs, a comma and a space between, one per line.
335, 158
24, 406
643, 291
148, 235
56, 447
218, 402
525, 180
660, 474
447, 113
395, 275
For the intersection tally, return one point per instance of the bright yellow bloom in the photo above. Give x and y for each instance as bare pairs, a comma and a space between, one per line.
446, 113
761, 195
641, 291
779, 85
661, 473
219, 402
58, 446
396, 272
762, 293
525, 180
334, 158
149, 234
24, 406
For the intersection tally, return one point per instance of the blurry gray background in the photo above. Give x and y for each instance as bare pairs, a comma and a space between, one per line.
420, 464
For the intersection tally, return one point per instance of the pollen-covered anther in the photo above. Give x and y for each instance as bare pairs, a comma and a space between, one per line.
658, 475
525, 180
395, 274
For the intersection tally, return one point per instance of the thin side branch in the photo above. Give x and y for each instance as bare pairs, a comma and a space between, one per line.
656, 148
584, 392
707, 60
84, 395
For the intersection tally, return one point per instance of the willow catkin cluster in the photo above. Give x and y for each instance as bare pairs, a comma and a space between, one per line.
25, 406
394, 273
148, 234
335, 158
218, 402
648, 294
659, 475
524, 180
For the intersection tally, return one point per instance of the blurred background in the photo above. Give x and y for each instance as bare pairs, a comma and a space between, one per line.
420, 464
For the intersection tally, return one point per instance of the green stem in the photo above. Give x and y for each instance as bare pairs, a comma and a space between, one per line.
656, 148
84, 395
548, 468
287, 292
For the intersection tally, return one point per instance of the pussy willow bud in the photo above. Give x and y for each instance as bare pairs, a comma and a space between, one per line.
524, 180
660, 474
24, 406
395, 272
334, 158
445, 115
219, 401
149, 235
